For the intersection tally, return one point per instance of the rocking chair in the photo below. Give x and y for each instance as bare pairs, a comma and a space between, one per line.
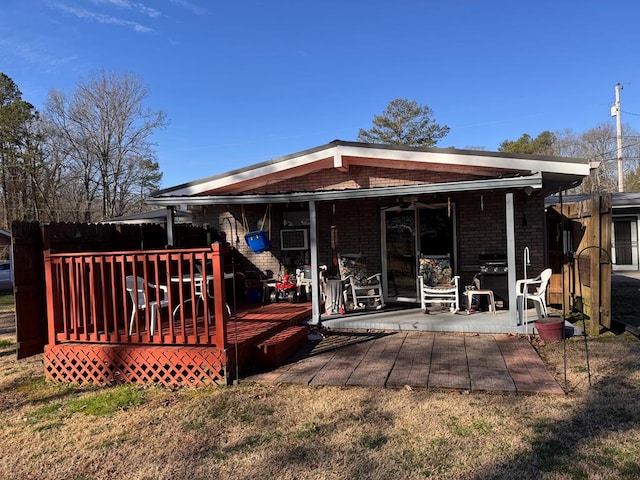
437, 285
365, 289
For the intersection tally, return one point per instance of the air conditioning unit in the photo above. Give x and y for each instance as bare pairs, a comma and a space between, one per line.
294, 239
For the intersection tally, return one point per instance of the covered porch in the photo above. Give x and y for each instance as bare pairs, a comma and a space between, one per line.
390, 204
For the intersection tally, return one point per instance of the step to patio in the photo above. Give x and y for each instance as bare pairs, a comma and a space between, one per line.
277, 349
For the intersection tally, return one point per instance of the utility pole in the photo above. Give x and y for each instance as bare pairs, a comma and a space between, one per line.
615, 112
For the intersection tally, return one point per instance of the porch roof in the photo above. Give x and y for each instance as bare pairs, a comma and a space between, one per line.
533, 182
490, 168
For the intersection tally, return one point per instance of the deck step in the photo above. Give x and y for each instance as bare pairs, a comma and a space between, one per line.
276, 350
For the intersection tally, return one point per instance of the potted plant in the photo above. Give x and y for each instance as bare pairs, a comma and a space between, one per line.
550, 329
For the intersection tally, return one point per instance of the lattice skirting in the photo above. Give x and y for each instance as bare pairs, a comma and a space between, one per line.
107, 364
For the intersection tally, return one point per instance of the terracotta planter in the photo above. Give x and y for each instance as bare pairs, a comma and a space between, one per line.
550, 329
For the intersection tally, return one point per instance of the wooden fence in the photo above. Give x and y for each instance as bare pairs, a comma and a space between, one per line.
579, 241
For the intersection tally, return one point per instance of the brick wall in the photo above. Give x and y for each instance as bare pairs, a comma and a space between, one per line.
482, 230
480, 226
357, 222
360, 177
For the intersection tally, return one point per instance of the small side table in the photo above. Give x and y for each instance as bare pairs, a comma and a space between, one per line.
488, 293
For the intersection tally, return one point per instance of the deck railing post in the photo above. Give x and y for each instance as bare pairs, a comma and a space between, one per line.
219, 298
49, 295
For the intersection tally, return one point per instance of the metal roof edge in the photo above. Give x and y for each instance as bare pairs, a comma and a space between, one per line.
618, 199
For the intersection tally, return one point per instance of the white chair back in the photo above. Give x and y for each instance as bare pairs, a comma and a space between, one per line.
136, 283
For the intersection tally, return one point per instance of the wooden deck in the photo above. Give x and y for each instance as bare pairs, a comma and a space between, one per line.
473, 363
260, 336
249, 328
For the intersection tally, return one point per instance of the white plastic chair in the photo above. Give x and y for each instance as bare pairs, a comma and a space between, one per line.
536, 291
136, 287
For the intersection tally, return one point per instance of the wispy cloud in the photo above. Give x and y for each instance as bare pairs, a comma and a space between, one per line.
189, 6
135, 6
101, 18
33, 55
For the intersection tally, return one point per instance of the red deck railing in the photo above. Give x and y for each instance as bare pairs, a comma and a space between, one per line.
88, 299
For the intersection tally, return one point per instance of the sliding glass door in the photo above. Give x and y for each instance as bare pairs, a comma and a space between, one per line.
409, 232
400, 243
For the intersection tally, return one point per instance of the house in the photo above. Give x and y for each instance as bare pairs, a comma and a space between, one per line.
137, 303
390, 204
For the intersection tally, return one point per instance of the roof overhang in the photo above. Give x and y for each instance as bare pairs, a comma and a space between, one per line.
533, 182
341, 155
619, 200
155, 216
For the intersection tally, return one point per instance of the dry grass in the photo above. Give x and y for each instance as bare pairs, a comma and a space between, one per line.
50, 431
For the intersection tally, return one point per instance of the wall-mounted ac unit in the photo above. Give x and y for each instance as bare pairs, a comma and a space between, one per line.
294, 239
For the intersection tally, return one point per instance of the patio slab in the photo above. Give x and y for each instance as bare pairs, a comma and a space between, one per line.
466, 362
413, 320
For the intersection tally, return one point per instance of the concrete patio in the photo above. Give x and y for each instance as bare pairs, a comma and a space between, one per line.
402, 319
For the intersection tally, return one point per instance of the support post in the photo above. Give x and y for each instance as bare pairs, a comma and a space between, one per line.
49, 294
594, 263
511, 259
170, 226
219, 298
315, 269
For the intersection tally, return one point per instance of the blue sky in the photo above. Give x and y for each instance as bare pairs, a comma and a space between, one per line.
244, 81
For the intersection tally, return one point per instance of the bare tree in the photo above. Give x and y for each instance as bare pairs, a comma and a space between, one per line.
104, 131
598, 144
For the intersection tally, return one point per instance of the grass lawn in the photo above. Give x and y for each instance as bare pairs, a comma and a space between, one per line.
251, 431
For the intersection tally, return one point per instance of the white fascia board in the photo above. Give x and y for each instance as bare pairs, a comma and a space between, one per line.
259, 171
457, 158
